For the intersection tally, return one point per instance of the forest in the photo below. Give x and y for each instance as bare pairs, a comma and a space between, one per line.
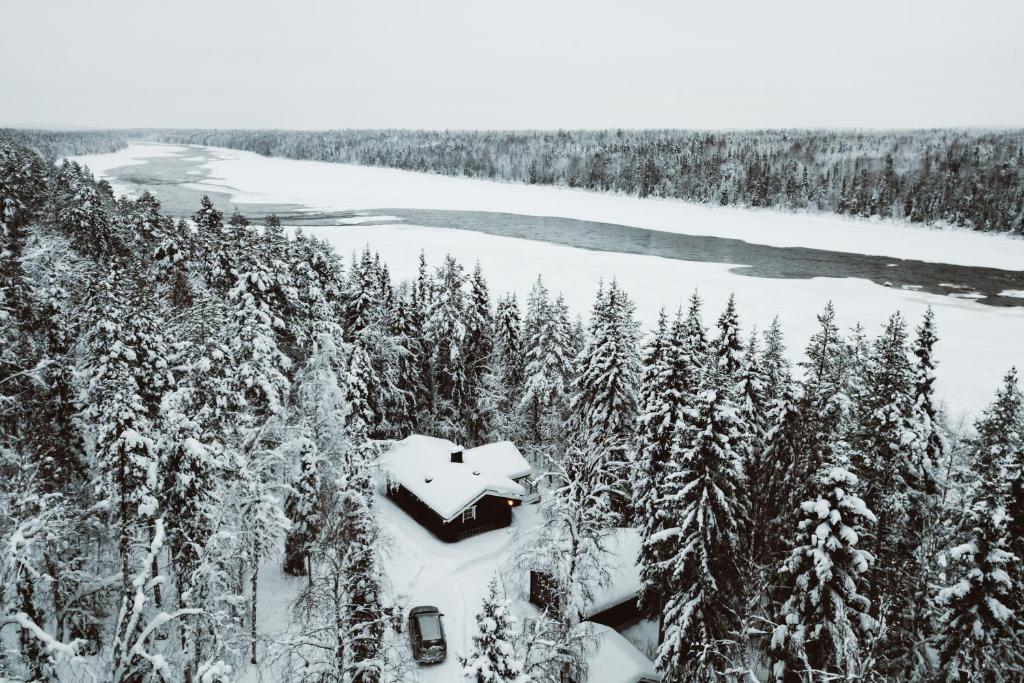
968, 178
181, 401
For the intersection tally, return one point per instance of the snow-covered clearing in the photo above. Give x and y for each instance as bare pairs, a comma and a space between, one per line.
251, 178
978, 343
422, 570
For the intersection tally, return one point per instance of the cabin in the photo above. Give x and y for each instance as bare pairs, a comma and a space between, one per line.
616, 660
457, 492
615, 605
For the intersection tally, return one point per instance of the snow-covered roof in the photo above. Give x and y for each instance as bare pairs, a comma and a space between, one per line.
616, 660
623, 553
422, 464
501, 456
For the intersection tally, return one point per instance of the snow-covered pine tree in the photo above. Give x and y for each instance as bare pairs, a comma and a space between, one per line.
772, 481
668, 388
493, 658
824, 405
654, 441
728, 349
508, 344
604, 402
197, 453
362, 301
778, 374
696, 334
997, 453
400, 409
929, 422
825, 620
261, 384
548, 370
300, 508
216, 249
980, 627
367, 617
446, 334
999, 433
887, 455
124, 375
752, 399
704, 501
478, 346
79, 211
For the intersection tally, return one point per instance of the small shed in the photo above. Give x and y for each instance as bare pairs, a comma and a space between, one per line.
452, 491
615, 605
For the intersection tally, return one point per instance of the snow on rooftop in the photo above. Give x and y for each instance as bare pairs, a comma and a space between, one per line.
616, 660
422, 464
501, 456
623, 553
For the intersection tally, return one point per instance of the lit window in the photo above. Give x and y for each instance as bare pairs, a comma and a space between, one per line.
469, 513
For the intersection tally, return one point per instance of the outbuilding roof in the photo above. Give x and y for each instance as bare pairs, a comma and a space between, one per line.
616, 660
423, 465
623, 558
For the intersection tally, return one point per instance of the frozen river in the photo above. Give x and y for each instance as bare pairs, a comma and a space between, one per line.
180, 178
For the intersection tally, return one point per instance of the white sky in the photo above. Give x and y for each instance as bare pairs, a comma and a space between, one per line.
512, 64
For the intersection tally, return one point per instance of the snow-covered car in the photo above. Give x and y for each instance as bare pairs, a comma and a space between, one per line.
427, 635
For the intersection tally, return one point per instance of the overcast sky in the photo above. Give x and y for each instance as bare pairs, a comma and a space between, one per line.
521, 64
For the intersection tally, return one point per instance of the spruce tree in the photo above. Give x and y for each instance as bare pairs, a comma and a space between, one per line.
728, 349
704, 500
777, 370
824, 405
493, 658
928, 418
824, 622
300, 509
980, 623
604, 401
697, 339
508, 343
548, 370
887, 454
479, 344
774, 486
446, 333
980, 627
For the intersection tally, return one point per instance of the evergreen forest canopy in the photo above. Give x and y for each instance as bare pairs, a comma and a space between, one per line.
181, 401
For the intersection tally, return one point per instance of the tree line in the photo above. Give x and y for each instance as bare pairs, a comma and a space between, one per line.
183, 401
970, 178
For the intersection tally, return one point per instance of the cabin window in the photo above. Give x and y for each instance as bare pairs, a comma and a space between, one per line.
469, 513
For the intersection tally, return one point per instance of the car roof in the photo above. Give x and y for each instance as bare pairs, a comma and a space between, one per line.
423, 609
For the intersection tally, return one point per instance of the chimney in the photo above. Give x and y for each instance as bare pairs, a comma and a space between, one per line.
457, 456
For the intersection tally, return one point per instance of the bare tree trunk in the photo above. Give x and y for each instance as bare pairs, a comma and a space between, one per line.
156, 585
252, 613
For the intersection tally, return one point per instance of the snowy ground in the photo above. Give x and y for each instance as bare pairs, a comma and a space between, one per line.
978, 343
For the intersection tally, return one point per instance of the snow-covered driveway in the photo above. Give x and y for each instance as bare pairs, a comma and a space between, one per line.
451, 576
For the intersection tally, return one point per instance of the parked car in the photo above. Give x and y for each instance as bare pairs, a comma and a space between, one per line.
427, 635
